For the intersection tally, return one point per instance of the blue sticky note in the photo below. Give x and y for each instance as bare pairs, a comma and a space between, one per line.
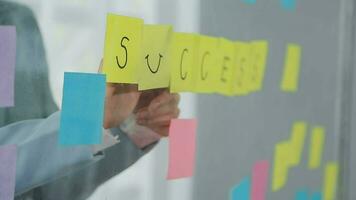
242, 191
289, 4
82, 108
8, 156
301, 195
316, 196
249, 1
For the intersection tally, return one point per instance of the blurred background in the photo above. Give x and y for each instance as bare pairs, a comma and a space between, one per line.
233, 132
73, 33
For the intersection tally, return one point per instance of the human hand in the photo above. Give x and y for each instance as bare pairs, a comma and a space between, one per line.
120, 102
155, 110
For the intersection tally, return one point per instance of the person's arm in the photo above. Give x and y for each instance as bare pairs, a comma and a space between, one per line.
80, 184
154, 116
39, 157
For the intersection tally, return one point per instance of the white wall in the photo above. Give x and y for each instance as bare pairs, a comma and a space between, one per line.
73, 31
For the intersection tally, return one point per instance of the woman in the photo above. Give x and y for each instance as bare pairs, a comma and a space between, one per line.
48, 171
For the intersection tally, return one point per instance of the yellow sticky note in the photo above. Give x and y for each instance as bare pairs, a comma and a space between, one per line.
281, 168
316, 147
259, 53
240, 71
290, 78
183, 58
225, 67
297, 140
122, 51
154, 71
331, 173
204, 71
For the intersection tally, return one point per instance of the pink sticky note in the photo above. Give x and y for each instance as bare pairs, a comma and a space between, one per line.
259, 180
181, 148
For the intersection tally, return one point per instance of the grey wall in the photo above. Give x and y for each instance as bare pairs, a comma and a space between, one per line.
234, 132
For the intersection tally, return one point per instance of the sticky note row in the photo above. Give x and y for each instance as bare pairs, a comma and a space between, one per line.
255, 189
7, 65
182, 134
288, 153
153, 56
82, 108
8, 156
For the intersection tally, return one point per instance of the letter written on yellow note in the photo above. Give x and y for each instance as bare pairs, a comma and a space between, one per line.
240, 74
122, 51
207, 58
154, 71
225, 65
183, 58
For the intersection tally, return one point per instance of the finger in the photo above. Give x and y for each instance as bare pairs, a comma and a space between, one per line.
164, 109
110, 88
158, 100
162, 99
146, 97
159, 120
126, 88
176, 97
162, 131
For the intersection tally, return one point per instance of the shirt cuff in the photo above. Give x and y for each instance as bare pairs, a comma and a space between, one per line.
141, 136
108, 139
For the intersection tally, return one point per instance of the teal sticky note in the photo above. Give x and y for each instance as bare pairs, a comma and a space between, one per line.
249, 1
301, 195
82, 108
316, 196
289, 4
242, 190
